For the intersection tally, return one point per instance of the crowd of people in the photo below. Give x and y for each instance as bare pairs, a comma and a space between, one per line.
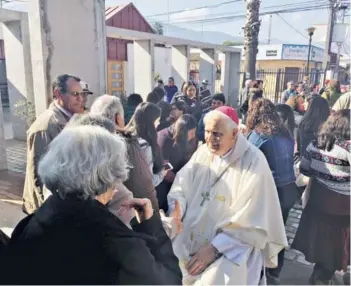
178, 190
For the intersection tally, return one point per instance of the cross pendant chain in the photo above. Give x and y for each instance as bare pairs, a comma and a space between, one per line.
205, 197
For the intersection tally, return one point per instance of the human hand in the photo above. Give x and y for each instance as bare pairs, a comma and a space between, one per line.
164, 172
201, 260
176, 214
143, 208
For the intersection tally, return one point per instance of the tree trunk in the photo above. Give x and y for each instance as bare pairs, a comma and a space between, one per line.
251, 31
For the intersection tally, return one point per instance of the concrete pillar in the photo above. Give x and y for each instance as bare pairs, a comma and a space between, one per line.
76, 46
230, 77
208, 59
19, 71
143, 67
180, 64
3, 161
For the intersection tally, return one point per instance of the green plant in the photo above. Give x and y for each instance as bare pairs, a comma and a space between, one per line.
157, 76
26, 110
158, 28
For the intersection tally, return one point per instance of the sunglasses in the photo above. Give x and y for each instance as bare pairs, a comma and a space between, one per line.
77, 93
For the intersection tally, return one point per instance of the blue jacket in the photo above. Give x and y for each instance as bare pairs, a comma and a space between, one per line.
279, 152
170, 91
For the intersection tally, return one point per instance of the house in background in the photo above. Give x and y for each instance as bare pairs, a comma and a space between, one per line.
125, 17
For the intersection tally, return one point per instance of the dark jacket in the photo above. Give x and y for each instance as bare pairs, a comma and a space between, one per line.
73, 242
304, 138
128, 113
194, 105
178, 158
200, 131
44, 129
170, 92
140, 178
279, 152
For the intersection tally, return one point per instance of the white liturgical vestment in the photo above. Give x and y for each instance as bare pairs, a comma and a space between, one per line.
239, 214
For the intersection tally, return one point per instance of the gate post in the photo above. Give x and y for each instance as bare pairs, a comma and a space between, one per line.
277, 86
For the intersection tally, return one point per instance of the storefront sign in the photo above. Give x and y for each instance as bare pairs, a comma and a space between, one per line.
271, 53
300, 53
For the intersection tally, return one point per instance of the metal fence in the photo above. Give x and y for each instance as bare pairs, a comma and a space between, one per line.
275, 81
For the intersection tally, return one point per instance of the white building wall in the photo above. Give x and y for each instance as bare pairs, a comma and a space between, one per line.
162, 65
163, 62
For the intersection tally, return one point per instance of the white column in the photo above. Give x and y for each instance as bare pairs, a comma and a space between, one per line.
180, 64
143, 67
18, 70
76, 46
230, 77
3, 161
208, 59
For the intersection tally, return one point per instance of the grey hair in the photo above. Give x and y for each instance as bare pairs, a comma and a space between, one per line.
215, 115
84, 161
107, 106
248, 82
94, 120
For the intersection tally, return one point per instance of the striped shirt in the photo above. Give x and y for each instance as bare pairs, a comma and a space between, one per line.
330, 168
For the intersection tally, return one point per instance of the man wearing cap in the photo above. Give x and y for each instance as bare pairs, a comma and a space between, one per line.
171, 89
69, 98
232, 223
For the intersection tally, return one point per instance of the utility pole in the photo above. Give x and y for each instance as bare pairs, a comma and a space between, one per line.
251, 31
342, 8
328, 40
269, 29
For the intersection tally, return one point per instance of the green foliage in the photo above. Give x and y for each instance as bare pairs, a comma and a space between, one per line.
157, 76
158, 27
26, 110
228, 43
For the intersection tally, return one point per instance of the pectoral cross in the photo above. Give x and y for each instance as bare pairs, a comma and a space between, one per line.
205, 196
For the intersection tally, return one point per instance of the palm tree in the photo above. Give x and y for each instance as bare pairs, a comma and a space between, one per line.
251, 31
158, 27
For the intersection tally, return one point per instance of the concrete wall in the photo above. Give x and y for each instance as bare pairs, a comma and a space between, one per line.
19, 70
3, 160
76, 46
163, 62
162, 65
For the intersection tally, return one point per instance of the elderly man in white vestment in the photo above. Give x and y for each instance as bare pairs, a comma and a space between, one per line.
232, 222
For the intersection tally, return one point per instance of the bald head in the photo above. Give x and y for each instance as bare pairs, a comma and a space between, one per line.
220, 132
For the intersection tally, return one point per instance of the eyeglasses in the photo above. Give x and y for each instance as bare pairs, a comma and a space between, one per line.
77, 93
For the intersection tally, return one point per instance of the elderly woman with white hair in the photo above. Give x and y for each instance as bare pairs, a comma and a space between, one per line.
73, 238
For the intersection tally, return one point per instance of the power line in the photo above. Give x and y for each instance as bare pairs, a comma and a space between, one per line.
197, 8
287, 5
243, 15
292, 27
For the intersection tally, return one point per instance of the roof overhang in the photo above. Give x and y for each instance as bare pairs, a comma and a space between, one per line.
7, 15
118, 33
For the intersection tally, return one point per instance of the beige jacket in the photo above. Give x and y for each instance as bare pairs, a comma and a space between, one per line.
45, 128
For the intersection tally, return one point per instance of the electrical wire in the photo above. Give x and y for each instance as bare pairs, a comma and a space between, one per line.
291, 26
193, 9
293, 8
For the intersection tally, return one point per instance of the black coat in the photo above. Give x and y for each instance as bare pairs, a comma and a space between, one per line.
80, 242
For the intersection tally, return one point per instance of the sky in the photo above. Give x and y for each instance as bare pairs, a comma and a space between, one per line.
281, 30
